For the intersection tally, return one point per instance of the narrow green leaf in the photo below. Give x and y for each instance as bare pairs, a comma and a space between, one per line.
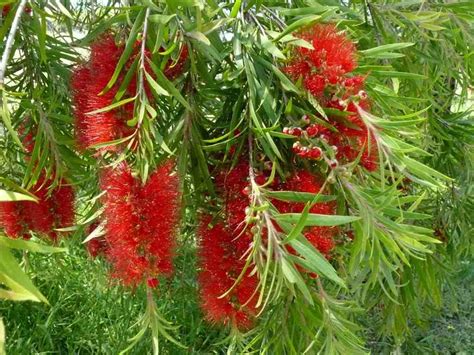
163, 81
294, 196
386, 48
161, 19
12, 276
235, 8
314, 219
199, 36
7, 119
22, 244
305, 21
315, 261
132, 37
112, 106
15, 196
155, 86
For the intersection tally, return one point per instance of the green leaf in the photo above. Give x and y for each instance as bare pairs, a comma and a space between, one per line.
112, 106
235, 8
15, 196
294, 196
294, 277
2, 337
163, 81
199, 36
132, 37
7, 119
161, 19
314, 260
314, 219
214, 25
12, 276
22, 244
386, 48
286, 83
397, 74
299, 226
63, 9
302, 22
102, 27
155, 86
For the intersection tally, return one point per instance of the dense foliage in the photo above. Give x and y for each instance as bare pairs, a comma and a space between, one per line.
265, 176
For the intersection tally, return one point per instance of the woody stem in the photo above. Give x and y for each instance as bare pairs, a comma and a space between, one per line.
10, 40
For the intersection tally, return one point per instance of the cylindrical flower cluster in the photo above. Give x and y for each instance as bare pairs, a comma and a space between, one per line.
53, 210
89, 81
141, 221
221, 253
326, 74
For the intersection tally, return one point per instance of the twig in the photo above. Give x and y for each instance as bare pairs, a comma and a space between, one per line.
10, 40
143, 54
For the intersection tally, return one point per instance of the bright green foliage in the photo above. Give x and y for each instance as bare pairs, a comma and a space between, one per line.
411, 220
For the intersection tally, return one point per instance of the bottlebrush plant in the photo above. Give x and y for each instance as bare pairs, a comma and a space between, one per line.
267, 174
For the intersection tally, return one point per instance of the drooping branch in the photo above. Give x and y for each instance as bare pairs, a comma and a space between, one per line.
10, 40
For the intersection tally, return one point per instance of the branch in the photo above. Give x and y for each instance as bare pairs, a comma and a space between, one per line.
141, 79
10, 40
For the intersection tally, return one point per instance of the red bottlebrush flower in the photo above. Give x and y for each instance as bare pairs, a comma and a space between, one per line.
27, 135
221, 265
298, 68
354, 84
140, 222
87, 82
332, 57
39, 215
315, 84
63, 205
122, 221
233, 184
43, 216
160, 214
332, 50
11, 218
173, 70
321, 239
96, 247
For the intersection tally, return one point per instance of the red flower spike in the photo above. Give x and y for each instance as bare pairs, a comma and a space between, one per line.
63, 205
332, 50
298, 68
160, 215
332, 57
11, 218
173, 70
221, 264
88, 81
315, 84
42, 216
39, 215
140, 222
